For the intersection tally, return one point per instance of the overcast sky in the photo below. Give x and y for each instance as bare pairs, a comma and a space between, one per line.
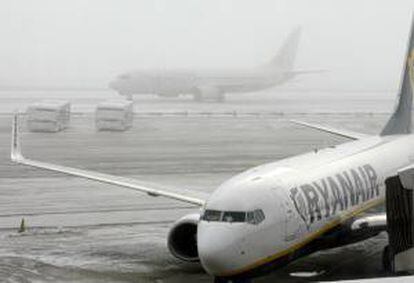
360, 42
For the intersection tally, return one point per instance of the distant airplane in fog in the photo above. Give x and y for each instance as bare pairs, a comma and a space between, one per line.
212, 85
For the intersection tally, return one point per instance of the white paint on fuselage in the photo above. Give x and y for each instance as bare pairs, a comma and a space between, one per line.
175, 82
232, 248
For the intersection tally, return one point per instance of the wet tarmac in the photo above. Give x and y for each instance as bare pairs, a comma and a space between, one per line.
82, 231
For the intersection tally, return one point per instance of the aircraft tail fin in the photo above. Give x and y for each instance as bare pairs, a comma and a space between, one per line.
400, 120
285, 57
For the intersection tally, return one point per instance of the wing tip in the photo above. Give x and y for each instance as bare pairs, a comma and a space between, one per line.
15, 154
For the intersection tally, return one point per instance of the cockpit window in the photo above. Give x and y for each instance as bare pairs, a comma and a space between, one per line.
252, 217
234, 216
211, 215
255, 217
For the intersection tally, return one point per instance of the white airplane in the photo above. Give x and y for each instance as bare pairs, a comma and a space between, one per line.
272, 214
212, 85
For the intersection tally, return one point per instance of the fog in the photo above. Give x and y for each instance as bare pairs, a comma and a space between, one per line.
77, 42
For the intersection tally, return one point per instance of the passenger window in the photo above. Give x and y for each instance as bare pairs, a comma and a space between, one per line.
234, 216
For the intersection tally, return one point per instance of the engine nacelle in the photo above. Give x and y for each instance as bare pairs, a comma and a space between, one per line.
182, 239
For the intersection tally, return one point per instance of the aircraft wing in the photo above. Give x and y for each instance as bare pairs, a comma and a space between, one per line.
339, 132
187, 196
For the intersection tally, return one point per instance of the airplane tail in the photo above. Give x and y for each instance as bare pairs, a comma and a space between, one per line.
400, 120
285, 57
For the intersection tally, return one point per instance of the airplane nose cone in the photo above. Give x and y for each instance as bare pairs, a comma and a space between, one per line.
217, 249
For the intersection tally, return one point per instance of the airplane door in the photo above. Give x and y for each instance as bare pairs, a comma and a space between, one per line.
291, 221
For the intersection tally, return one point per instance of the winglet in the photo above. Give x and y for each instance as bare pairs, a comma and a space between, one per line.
15, 155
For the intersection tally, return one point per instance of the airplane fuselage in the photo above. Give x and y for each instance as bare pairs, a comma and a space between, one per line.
207, 83
302, 198
212, 84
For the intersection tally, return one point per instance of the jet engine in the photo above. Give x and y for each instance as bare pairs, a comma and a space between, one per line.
182, 239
